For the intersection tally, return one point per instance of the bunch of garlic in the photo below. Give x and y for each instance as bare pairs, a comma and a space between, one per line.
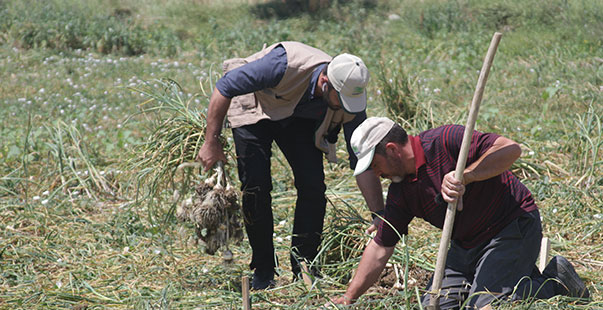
215, 211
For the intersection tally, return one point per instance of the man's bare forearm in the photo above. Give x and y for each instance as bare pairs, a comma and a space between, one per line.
371, 265
211, 151
218, 107
371, 190
496, 160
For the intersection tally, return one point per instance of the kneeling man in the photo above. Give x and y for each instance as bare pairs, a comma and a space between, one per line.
497, 231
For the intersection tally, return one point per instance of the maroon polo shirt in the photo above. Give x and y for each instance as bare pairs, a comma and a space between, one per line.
488, 206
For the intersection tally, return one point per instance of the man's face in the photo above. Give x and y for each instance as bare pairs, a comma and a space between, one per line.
389, 167
332, 98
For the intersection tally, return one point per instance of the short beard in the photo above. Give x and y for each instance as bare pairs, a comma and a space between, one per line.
397, 167
326, 91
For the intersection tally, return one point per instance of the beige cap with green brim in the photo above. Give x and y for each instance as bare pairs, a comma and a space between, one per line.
366, 137
349, 76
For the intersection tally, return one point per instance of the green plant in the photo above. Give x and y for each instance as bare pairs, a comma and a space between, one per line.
67, 242
69, 26
177, 131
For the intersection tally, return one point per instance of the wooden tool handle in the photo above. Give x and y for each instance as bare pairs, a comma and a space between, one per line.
460, 168
245, 291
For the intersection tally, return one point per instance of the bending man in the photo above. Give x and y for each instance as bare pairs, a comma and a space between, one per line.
300, 98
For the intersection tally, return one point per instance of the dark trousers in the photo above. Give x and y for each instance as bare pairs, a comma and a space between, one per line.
295, 138
501, 268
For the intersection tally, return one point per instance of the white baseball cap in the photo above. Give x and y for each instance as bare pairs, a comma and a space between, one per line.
349, 76
366, 137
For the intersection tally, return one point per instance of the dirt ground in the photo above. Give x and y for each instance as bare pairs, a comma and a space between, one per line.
416, 277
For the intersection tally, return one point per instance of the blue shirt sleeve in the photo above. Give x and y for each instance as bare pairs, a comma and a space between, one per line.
348, 129
263, 73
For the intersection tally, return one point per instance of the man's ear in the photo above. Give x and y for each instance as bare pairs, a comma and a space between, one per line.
323, 78
392, 149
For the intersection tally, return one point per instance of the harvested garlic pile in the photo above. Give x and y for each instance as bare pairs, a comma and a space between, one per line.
215, 212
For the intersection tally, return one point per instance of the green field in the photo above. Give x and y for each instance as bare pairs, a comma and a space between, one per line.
87, 173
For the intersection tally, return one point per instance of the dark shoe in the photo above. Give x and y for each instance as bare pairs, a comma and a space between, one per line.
571, 284
263, 279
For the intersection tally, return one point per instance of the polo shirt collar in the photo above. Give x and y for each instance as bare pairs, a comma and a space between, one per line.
417, 149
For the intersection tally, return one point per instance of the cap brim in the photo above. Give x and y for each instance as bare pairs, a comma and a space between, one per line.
354, 104
364, 162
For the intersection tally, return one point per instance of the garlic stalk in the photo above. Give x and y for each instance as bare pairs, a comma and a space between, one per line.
220, 174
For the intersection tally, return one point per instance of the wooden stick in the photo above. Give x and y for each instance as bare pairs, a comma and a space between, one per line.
545, 248
460, 167
306, 275
245, 289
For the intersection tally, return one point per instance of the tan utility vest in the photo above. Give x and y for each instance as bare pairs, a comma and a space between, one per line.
280, 101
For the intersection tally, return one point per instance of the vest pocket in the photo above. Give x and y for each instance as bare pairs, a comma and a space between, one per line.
240, 103
243, 102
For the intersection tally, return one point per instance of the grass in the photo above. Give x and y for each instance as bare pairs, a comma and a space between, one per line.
86, 213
